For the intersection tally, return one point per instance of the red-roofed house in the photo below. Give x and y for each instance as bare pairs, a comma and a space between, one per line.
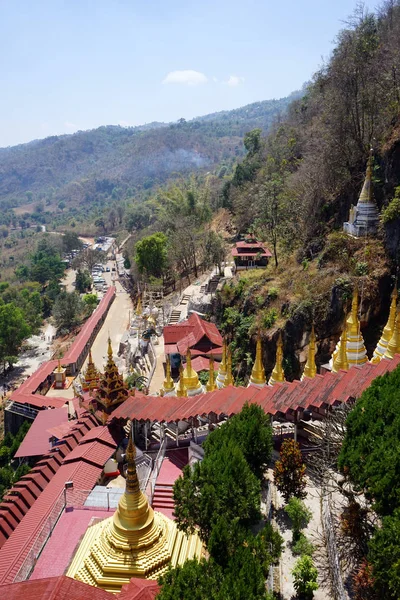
54, 588
250, 254
201, 337
37, 440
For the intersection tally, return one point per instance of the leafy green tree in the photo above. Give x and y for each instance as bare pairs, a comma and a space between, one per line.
13, 331
67, 310
88, 258
289, 472
299, 514
251, 431
71, 241
305, 578
252, 141
136, 380
83, 281
22, 272
303, 546
384, 556
46, 263
151, 255
90, 301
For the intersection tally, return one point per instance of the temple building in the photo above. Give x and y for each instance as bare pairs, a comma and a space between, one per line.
388, 330
364, 217
310, 370
190, 377
91, 376
257, 378
111, 390
250, 254
278, 375
135, 542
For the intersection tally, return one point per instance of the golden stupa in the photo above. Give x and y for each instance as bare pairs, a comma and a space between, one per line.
310, 370
222, 368
388, 330
181, 390
168, 387
393, 346
356, 352
228, 377
190, 377
211, 385
111, 390
257, 378
340, 361
91, 375
134, 542
278, 375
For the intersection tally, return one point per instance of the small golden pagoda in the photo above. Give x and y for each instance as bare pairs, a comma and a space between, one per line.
91, 376
393, 346
181, 390
190, 377
340, 361
364, 218
111, 390
168, 387
387, 331
356, 352
60, 376
134, 542
228, 377
257, 378
211, 385
222, 367
278, 375
310, 370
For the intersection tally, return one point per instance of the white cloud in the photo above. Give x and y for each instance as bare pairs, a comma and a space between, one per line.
70, 126
215, 80
234, 81
188, 77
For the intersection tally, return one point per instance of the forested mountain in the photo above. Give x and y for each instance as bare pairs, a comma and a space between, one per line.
89, 166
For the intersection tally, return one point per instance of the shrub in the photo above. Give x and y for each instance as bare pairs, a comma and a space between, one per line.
303, 546
305, 577
299, 514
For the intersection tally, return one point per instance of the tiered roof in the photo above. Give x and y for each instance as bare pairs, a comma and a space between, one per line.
201, 337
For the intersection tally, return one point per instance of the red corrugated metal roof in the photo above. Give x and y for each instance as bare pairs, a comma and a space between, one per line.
37, 400
94, 453
139, 589
321, 391
203, 364
83, 337
30, 385
53, 588
196, 328
36, 442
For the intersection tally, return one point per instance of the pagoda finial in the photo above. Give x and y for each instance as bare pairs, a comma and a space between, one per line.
258, 372
59, 365
181, 390
340, 361
353, 325
222, 366
393, 346
109, 351
228, 377
310, 370
211, 385
132, 482
168, 381
278, 375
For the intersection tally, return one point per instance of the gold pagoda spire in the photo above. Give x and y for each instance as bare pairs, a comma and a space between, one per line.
168, 385
181, 390
91, 376
211, 385
356, 352
190, 377
366, 194
258, 373
111, 388
278, 375
340, 361
222, 366
228, 377
353, 325
310, 370
388, 330
139, 308
393, 346
134, 542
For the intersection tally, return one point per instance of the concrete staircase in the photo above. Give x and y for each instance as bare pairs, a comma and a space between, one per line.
174, 317
185, 299
163, 497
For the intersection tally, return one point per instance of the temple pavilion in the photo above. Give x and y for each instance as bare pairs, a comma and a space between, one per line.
135, 542
364, 217
91, 376
111, 390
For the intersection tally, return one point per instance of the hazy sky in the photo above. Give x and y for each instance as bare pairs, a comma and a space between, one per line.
77, 64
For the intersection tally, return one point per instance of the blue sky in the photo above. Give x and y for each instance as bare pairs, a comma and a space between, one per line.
77, 64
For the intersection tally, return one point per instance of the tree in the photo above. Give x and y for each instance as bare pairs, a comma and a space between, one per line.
305, 578
151, 255
83, 281
289, 472
136, 380
101, 224
252, 141
364, 582
384, 557
90, 301
13, 331
138, 217
67, 310
71, 241
88, 258
299, 514
46, 263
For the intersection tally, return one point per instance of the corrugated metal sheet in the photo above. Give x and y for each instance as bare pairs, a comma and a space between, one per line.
53, 588
36, 442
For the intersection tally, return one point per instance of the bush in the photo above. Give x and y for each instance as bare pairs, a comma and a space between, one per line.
303, 546
299, 514
305, 577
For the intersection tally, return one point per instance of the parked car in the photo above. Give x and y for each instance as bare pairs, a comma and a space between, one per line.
108, 269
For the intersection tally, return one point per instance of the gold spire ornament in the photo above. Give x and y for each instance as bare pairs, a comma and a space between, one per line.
168, 385
181, 390
211, 385
340, 362
222, 367
91, 376
278, 375
356, 352
111, 390
388, 330
190, 377
228, 377
134, 542
257, 377
310, 370
393, 346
